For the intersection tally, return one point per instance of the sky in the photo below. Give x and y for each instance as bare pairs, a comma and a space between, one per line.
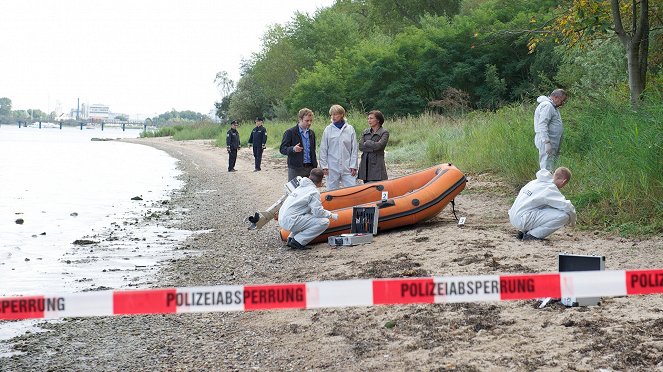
140, 57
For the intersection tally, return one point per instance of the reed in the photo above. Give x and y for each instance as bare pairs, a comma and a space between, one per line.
614, 153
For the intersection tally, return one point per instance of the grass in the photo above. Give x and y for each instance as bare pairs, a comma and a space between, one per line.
614, 152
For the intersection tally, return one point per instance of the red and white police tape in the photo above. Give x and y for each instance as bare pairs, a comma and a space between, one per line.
340, 293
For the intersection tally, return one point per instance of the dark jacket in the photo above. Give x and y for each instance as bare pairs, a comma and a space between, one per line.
232, 139
258, 136
372, 167
291, 137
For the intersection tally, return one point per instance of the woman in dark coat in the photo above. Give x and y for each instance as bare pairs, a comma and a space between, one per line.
372, 143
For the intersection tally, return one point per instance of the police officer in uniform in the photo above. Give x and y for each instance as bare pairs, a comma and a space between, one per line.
232, 144
258, 139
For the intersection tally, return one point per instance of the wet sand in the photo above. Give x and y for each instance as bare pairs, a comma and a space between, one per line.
624, 333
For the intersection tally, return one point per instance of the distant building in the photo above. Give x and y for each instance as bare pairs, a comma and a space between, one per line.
98, 112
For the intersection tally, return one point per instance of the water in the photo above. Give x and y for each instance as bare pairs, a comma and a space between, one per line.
66, 187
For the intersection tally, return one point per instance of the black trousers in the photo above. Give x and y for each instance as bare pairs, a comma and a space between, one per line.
257, 154
304, 171
232, 158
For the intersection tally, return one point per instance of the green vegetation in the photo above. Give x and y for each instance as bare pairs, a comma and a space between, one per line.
174, 116
615, 155
407, 57
199, 130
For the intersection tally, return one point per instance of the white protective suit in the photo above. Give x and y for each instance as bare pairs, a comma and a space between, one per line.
547, 127
302, 213
540, 208
338, 153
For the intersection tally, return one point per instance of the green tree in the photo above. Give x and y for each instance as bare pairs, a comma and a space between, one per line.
593, 70
249, 100
320, 88
223, 108
579, 22
226, 87
225, 84
36, 114
20, 115
5, 106
494, 88
174, 116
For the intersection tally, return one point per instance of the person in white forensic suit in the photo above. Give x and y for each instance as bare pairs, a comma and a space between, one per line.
302, 212
548, 127
540, 208
339, 151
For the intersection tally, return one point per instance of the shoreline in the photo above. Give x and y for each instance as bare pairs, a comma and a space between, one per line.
105, 244
621, 333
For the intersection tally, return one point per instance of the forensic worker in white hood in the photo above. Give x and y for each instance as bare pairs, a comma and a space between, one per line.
302, 212
339, 151
548, 127
540, 208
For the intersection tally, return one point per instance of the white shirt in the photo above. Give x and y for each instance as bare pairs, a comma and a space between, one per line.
304, 200
339, 149
540, 193
548, 122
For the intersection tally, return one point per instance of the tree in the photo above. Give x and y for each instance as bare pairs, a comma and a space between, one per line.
636, 43
5, 106
581, 21
225, 84
393, 16
223, 107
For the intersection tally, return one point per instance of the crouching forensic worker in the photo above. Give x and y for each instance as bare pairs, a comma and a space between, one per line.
540, 208
302, 213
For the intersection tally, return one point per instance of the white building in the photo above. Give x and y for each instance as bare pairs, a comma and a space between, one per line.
98, 111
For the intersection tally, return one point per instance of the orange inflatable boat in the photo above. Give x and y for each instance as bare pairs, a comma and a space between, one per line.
412, 198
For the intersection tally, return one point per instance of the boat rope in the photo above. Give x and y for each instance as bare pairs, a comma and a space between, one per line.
453, 208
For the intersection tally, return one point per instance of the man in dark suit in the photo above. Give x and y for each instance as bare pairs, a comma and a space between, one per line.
299, 145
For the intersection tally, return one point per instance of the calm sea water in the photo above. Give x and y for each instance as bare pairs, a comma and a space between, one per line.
65, 187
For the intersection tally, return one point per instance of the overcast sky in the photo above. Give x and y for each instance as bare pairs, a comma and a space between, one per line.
140, 57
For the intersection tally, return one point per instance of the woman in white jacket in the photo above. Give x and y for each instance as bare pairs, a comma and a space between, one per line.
339, 151
540, 208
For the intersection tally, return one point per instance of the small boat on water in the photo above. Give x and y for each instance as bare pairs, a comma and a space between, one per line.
410, 199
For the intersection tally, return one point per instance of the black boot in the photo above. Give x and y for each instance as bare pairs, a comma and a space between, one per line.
294, 244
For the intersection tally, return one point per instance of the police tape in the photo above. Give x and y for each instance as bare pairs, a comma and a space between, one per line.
339, 293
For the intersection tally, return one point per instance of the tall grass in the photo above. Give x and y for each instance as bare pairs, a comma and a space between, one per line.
615, 154
163, 132
181, 132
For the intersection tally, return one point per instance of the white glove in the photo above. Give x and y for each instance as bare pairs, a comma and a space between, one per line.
334, 216
549, 149
572, 220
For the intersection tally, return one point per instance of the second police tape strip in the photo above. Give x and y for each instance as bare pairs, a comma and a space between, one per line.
340, 293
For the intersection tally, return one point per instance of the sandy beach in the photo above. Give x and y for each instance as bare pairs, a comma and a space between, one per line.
623, 333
